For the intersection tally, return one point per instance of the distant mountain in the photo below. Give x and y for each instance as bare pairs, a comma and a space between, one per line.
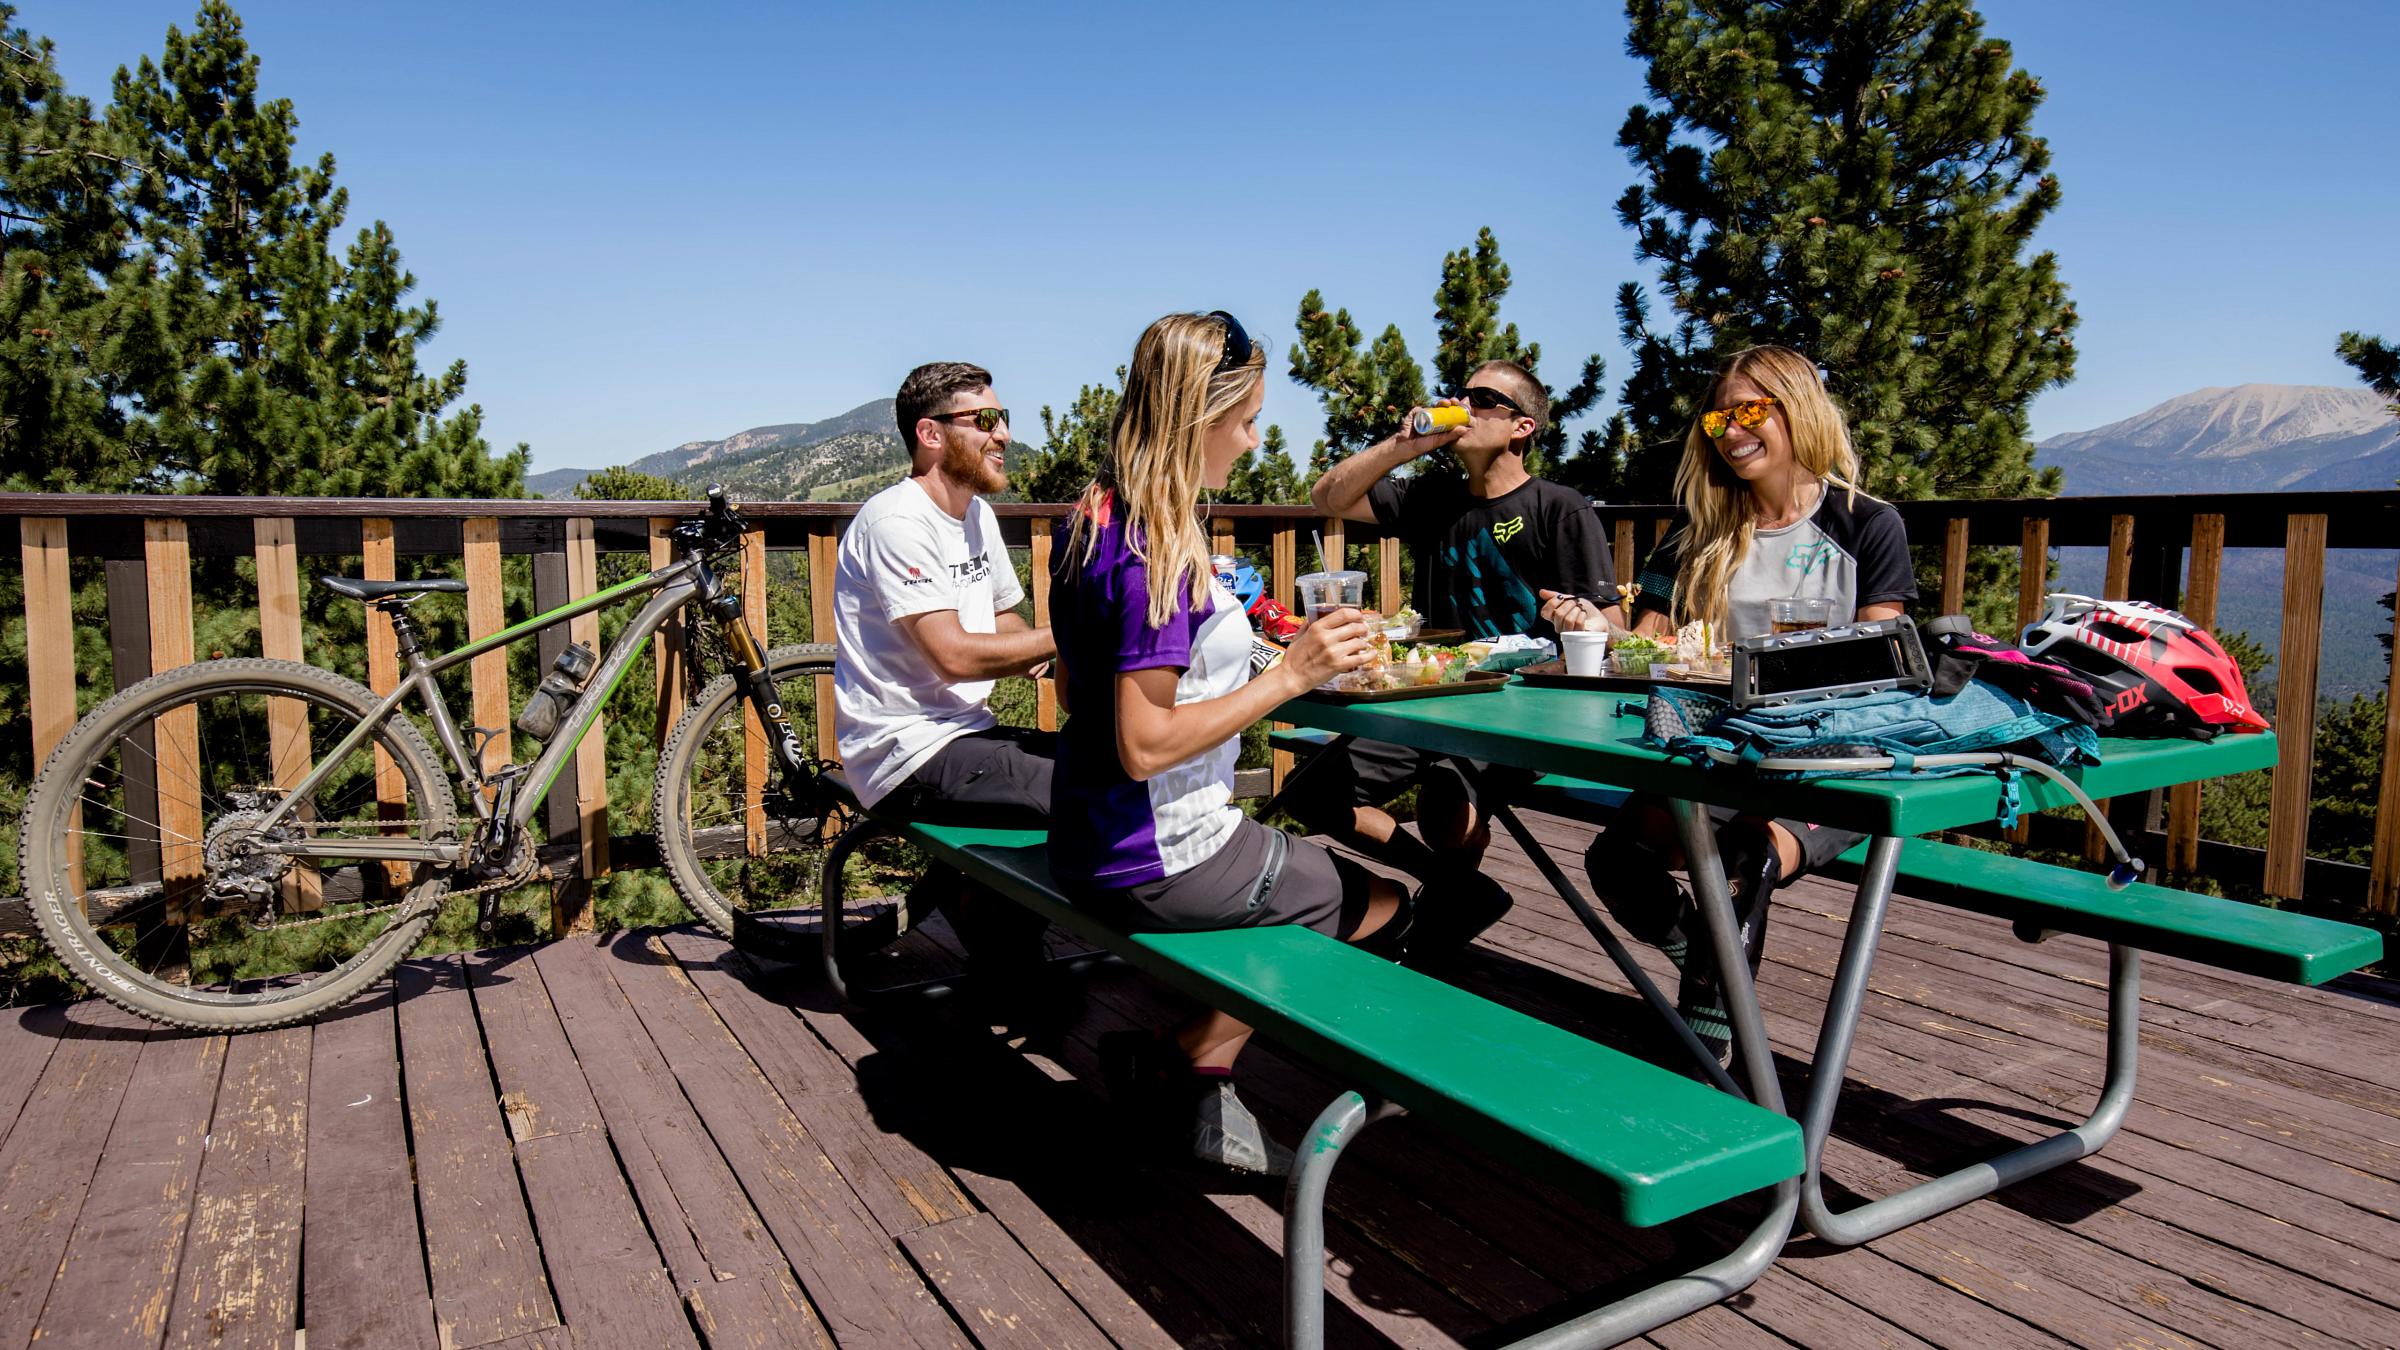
2250, 438
2255, 438
842, 457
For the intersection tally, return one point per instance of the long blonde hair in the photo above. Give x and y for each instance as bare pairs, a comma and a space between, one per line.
1720, 522
1155, 458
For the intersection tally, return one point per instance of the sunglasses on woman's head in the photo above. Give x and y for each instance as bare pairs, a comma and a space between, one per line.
1237, 343
986, 419
1749, 415
1487, 399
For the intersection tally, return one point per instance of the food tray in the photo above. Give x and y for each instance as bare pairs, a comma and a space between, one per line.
1476, 682
1553, 675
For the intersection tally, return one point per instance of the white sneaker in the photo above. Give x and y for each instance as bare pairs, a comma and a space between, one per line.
1225, 1134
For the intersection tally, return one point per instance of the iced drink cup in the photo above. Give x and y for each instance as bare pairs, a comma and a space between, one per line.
1323, 591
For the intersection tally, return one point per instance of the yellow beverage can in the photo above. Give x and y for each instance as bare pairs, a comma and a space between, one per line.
1430, 420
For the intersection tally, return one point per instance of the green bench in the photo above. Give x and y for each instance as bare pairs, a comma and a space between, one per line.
2041, 900
1554, 793
1645, 1143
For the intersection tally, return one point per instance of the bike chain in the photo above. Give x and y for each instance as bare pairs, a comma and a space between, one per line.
507, 881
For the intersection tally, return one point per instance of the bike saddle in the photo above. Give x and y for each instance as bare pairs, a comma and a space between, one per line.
358, 588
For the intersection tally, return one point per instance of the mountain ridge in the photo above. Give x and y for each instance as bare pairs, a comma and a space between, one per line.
779, 461
2239, 438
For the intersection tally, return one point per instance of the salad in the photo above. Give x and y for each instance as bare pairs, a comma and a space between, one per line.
1634, 654
1404, 667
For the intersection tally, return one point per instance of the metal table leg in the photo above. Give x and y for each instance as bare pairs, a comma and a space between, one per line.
1835, 1038
1628, 1317
1634, 974
1709, 889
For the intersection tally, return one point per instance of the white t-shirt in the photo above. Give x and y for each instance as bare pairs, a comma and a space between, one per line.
903, 555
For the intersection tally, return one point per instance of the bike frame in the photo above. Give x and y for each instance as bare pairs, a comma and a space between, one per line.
680, 584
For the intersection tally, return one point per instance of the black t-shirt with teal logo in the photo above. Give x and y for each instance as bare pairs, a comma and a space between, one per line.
1481, 561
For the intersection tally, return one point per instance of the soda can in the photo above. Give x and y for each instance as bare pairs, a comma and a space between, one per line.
1430, 420
1225, 566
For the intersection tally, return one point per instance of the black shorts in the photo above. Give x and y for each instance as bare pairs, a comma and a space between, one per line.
1819, 844
998, 777
1314, 887
1371, 773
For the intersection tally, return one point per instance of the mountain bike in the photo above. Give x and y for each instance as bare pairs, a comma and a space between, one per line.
245, 843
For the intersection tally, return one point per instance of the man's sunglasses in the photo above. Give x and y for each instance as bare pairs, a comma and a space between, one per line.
1488, 399
1237, 343
1749, 415
986, 419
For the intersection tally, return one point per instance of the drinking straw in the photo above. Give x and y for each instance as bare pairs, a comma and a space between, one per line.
1319, 536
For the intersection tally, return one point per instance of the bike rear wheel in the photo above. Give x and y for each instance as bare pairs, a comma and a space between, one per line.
149, 865
740, 852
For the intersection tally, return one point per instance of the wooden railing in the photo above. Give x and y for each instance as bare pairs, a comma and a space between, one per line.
146, 547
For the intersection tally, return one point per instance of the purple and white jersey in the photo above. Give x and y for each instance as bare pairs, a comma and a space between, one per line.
1106, 829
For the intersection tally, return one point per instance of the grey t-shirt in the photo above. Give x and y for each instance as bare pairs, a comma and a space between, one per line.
1851, 549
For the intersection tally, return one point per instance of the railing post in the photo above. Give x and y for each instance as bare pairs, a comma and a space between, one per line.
2383, 881
667, 657
1623, 544
2115, 584
2200, 606
378, 557
754, 730
129, 662
1283, 556
167, 556
561, 814
1387, 574
50, 654
1045, 689
279, 639
1954, 565
824, 556
2033, 580
2296, 703
591, 754
487, 613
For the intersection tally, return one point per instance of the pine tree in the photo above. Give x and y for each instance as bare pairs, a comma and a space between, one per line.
1265, 476
286, 367
2376, 361
1857, 179
71, 308
1365, 389
1072, 443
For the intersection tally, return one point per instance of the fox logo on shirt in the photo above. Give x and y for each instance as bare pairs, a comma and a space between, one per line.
1505, 530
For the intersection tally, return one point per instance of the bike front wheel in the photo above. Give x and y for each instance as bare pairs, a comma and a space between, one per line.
153, 867
736, 847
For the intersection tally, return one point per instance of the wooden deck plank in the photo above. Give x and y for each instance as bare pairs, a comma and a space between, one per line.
362, 1259
902, 1188
239, 1288
28, 1037
725, 1264
998, 1292
116, 1281
488, 1282
46, 1167
2247, 1279
612, 1285
854, 1275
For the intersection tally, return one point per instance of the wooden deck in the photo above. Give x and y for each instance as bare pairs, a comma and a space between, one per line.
650, 1142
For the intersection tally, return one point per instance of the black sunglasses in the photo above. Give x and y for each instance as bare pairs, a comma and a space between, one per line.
1488, 399
1237, 343
986, 419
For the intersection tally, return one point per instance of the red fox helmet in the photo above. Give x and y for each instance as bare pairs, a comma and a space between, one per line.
2159, 673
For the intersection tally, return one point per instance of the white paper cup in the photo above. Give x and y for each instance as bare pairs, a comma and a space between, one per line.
1587, 653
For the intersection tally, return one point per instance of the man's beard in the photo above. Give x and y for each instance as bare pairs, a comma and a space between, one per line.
967, 466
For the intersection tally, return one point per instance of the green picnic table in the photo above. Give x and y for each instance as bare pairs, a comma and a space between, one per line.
1596, 737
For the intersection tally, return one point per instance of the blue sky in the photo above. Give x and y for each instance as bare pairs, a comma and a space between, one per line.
647, 224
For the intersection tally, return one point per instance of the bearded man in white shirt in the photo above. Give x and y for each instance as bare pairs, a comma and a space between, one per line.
925, 622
